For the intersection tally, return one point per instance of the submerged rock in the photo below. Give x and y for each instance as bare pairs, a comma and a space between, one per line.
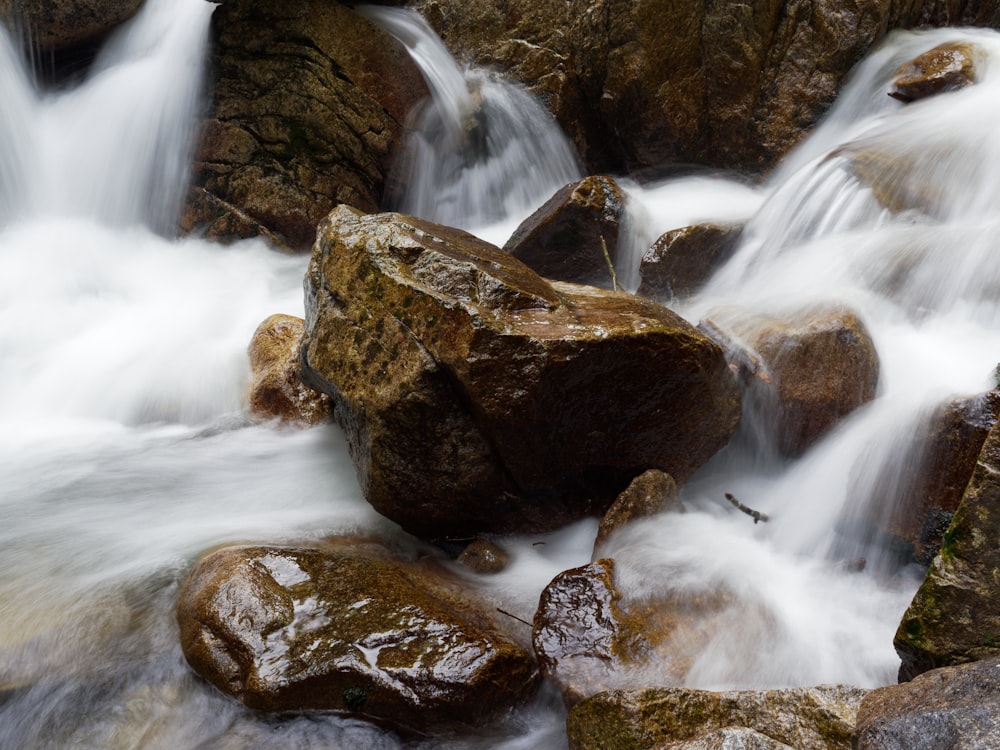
482, 556
955, 615
276, 389
574, 235
682, 260
816, 718
807, 371
346, 628
945, 68
478, 397
952, 707
309, 101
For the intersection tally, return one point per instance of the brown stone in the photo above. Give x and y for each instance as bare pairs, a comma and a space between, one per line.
574, 235
682, 260
309, 99
482, 556
649, 494
478, 397
947, 67
277, 391
346, 628
61, 24
808, 370
952, 707
814, 718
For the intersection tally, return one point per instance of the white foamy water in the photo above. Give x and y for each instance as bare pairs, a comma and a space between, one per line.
125, 451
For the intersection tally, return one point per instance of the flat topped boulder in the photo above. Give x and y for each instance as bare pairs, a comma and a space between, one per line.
479, 397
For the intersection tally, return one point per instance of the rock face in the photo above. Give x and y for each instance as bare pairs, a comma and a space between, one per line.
277, 391
346, 629
953, 707
945, 68
955, 615
574, 235
309, 101
642, 83
807, 371
478, 397
819, 718
650, 493
60, 24
589, 639
682, 260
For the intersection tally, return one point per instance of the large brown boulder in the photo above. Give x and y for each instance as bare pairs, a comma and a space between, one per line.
61, 24
639, 83
308, 104
808, 370
952, 707
816, 718
344, 627
955, 615
573, 236
477, 396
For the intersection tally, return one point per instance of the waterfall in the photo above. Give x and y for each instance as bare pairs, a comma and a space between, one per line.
482, 151
125, 452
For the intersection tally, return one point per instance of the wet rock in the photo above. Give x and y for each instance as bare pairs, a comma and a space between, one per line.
913, 499
309, 101
650, 493
61, 24
804, 372
817, 718
344, 628
682, 260
952, 707
945, 68
955, 615
478, 397
482, 556
588, 638
574, 235
206, 215
731, 738
277, 391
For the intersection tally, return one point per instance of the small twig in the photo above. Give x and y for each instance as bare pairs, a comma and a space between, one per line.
505, 612
756, 515
611, 266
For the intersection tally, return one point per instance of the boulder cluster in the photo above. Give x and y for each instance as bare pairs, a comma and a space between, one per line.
489, 391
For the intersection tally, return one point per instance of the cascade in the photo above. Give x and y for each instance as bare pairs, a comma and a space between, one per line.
124, 451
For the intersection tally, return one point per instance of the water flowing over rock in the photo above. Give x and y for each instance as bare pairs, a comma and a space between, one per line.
277, 390
309, 102
344, 628
639, 84
952, 707
944, 68
574, 235
955, 615
807, 371
817, 718
681, 261
58, 24
479, 397
649, 493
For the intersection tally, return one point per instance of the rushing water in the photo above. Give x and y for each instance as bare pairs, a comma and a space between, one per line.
125, 451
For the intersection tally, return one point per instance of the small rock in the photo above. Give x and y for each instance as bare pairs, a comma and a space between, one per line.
945, 68
482, 556
682, 260
650, 493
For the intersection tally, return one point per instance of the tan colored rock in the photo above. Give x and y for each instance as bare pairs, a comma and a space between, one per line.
955, 615
649, 494
682, 260
808, 370
343, 627
588, 638
816, 718
951, 707
309, 101
276, 389
478, 397
61, 24
574, 235
944, 68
